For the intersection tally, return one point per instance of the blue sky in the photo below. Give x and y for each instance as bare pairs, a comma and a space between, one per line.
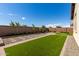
39, 14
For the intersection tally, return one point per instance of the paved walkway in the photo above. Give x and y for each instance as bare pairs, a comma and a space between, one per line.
2, 52
33, 38
70, 47
15, 39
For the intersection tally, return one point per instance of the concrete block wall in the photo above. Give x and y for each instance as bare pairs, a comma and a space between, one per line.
69, 30
8, 30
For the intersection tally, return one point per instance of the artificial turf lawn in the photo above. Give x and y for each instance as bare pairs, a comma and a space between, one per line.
46, 46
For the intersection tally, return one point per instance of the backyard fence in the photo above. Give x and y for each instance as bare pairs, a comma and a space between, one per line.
69, 30
9, 30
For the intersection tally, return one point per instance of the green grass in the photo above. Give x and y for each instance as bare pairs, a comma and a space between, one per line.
47, 46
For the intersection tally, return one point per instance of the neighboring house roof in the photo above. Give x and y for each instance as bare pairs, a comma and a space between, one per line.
72, 10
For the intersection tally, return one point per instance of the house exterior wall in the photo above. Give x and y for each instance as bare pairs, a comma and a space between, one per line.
76, 23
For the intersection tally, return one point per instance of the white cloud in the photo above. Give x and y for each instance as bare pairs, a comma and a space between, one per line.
66, 26
23, 18
10, 14
54, 25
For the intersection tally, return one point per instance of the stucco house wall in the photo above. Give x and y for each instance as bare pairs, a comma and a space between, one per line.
76, 23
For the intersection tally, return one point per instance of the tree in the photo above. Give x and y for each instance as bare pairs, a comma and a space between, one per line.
24, 25
33, 27
50, 27
12, 24
17, 24
43, 28
58, 27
